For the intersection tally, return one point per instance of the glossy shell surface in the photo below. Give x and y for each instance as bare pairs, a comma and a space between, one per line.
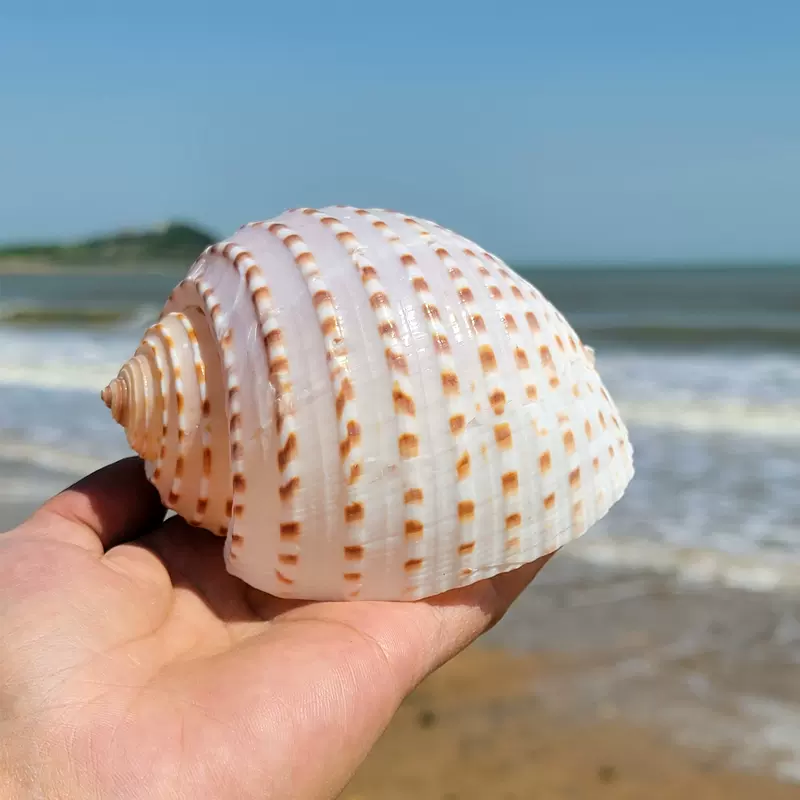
368, 405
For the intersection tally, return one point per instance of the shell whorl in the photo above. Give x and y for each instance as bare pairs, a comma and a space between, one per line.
368, 405
167, 398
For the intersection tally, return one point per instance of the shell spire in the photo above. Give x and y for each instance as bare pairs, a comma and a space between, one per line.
163, 398
115, 396
368, 405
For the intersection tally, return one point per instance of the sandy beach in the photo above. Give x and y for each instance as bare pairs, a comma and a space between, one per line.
473, 731
609, 684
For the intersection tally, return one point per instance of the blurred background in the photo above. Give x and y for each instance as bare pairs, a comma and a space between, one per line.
638, 162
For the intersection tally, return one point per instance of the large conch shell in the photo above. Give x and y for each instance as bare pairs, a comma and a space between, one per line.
367, 405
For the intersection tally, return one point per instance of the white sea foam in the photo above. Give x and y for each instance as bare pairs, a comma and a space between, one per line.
50, 458
735, 418
68, 360
33, 376
777, 726
760, 572
731, 417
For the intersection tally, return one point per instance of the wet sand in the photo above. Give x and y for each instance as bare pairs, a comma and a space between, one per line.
607, 683
474, 731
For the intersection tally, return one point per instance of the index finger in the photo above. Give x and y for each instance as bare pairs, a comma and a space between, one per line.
110, 506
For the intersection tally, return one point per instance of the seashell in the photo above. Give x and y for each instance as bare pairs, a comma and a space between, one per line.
368, 405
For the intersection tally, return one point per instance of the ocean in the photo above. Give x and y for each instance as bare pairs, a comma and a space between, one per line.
704, 364
680, 609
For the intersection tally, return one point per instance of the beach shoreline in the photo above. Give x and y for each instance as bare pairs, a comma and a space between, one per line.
475, 730
610, 682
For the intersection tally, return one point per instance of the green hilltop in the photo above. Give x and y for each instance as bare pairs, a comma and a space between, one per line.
172, 242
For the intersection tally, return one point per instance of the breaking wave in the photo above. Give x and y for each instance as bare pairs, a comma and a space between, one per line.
736, 418
763, 572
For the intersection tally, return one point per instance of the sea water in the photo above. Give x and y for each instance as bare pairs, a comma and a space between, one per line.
704, 364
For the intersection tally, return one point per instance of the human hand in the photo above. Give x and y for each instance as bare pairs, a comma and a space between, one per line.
132, 665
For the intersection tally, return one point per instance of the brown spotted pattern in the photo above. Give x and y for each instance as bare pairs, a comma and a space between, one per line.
552, 349
342, 381
178, 393
201, 503
151, 348
450, 389
224, 337
403, 395
498, 393
277, 364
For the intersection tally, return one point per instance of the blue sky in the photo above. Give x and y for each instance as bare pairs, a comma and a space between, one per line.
547, 131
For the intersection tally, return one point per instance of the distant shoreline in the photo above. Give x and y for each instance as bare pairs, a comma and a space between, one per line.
174, 246
604, 682
173, 243
20, 266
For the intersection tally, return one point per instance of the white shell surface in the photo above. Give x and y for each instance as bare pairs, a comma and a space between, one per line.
370, 406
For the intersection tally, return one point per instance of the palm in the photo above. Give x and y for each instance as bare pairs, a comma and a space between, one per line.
165, 675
